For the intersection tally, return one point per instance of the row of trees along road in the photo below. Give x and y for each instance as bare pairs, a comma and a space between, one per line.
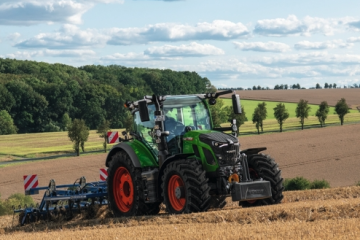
302, 112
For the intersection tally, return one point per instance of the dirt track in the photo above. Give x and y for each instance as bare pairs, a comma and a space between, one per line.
330, 153
314, 96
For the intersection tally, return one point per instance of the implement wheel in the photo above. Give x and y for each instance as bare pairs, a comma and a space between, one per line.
125, 188
185, 188
263, 166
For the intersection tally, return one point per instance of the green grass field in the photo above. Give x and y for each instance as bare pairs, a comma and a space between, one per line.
250, 105
42, 144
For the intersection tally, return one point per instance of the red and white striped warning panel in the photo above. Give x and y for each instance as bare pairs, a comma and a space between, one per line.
30, 181
103, 174
113, 137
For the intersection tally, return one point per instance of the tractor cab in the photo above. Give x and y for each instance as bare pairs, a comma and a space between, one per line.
182, 114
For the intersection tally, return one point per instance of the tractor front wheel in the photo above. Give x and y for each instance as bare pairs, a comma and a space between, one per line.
263, 166
185, 187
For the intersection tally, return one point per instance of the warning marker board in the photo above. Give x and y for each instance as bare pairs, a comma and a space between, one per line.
30, 181
113, 137
103, 174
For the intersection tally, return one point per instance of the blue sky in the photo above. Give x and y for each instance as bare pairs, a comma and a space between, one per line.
233, 43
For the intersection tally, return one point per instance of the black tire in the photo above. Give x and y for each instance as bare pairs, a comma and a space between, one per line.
138, 206
265, 167
195, 190
218, 201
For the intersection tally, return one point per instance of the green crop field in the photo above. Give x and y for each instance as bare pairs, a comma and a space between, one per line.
42, 144
250, 105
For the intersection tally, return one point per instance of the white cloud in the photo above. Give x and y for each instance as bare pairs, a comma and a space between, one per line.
293, 26
185, 50
353, 39
70, 36
262, 46
306, 45
125, 57
310, 59
13, 36
51, 53
216, 30
30, 12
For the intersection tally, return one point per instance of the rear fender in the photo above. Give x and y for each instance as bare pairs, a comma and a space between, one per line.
137, 151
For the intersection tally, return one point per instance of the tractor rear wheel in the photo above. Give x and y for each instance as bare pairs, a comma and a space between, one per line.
125, 188
263, 166
185, 187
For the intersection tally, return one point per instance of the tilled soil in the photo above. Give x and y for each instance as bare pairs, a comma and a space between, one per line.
314, 96
330, 153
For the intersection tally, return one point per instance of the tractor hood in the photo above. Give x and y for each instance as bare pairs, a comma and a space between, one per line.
224, 146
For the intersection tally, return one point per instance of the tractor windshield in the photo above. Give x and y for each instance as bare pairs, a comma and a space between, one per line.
182, 114
185, 113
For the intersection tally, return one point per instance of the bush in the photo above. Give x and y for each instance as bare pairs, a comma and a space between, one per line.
298, 183
301, 183
319, 184
358, 184
14, 200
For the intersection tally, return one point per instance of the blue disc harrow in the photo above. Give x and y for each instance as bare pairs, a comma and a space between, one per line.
63, 201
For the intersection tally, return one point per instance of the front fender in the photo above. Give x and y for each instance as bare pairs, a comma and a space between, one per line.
139, 154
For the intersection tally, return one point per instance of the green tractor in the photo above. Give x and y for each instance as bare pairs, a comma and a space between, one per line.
177, 157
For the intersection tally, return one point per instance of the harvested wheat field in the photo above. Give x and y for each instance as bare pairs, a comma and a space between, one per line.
314, 96
312, 214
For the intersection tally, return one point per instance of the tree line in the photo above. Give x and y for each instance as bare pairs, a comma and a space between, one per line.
42, 97
222, 114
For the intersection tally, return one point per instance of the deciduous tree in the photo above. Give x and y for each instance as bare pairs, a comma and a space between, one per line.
102, 130
302, 111
281, 114
257, 118
322, 112
78, 133
218, 113
6, 123
263, 114
341, 108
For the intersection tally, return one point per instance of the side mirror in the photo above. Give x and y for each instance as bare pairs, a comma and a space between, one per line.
236, 103
144, 112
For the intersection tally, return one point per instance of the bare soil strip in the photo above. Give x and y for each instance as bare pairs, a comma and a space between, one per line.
314, 96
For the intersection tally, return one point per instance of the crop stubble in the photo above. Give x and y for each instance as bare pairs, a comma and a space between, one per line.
311, 214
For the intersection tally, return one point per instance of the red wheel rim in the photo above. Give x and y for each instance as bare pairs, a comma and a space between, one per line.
177, 203
123, 189
253, 175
